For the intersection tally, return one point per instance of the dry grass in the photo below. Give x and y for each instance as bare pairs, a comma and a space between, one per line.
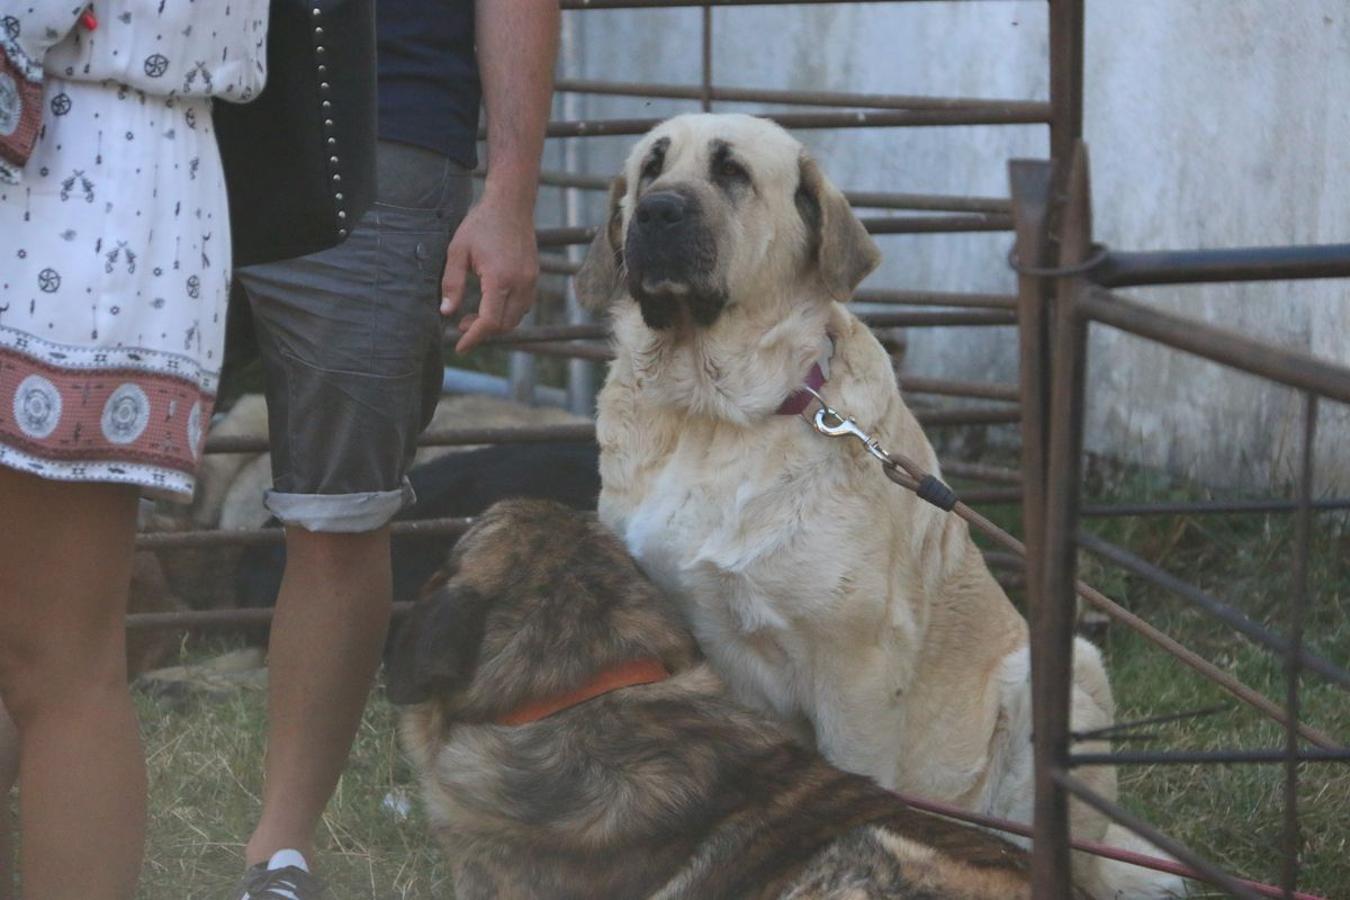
205, 751
205, 758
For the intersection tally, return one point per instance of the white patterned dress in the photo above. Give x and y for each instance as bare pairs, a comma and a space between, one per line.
114, 234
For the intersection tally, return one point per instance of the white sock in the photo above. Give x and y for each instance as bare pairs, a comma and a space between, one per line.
283, 858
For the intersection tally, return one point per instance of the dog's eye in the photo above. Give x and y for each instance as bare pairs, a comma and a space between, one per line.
651, 169
729, 168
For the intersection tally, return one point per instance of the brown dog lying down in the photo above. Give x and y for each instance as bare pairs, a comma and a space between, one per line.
571, 743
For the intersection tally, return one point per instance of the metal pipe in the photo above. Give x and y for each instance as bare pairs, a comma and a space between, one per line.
170, 540
1226, 265
957, 224
941, 418
1195, 757
844, 99
889, 118
465, 381
1053, 601
979, 472
661, 4
441, 437
936, 298
1216, 608
910, 384
1229, 348
1294, 656
1211, 507
1115, 812
857, 199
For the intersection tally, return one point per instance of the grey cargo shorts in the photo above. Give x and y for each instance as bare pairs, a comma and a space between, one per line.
350, 340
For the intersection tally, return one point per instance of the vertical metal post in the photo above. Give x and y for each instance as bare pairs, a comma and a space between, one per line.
1066, 79
1053, 609
1030, 189
582, 375
1302, 541
706, 75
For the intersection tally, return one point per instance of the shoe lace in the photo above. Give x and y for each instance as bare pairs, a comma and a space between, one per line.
286, 883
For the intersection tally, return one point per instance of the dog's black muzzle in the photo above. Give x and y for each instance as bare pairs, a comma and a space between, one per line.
671, 259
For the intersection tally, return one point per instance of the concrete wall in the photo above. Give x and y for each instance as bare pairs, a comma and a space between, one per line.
1211, 123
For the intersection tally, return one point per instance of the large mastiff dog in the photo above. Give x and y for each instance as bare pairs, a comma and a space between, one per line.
572, 744
819, 590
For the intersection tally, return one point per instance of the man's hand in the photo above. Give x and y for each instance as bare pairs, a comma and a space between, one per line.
517, 44
496, 241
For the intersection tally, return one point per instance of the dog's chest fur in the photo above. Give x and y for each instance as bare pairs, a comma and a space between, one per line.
727, 518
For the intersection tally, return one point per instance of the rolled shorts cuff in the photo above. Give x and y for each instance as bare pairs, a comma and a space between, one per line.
340, 513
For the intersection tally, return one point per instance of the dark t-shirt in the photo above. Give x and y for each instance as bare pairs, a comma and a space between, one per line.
428, 76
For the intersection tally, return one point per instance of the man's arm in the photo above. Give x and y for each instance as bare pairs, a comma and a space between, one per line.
517, 46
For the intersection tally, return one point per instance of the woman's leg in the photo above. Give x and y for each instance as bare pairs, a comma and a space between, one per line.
65, 566
9, 774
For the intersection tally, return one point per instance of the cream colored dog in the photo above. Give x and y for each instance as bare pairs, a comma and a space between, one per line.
823, 593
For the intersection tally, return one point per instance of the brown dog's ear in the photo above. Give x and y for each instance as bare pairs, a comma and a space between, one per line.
436, 652
844, 252
598, 279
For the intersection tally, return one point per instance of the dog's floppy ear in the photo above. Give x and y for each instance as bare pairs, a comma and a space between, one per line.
598, 279
844, 252
436, 652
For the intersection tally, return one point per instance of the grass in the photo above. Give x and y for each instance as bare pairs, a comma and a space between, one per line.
205, 764
205, 750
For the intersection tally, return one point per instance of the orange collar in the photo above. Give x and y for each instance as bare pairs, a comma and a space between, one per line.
629, 674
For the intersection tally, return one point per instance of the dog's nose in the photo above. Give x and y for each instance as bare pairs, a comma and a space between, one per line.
661, 211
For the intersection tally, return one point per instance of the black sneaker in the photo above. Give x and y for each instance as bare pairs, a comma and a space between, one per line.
285, 883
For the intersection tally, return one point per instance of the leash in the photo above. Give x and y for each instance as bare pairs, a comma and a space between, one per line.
910, 475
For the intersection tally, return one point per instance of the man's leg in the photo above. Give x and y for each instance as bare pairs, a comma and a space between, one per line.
64, 577
329, 629
350, 344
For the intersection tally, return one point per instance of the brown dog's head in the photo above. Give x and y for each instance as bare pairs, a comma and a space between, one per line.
717, 210
538, 599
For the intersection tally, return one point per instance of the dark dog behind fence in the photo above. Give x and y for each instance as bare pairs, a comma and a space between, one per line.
1050, 394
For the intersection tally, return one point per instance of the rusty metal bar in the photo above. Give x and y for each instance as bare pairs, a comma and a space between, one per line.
1205, 869
661, 4
884, 319
910, 384
938, 318
862, 199
936, 298
1294, 658
172, 540
935, 224
956, 224
212, 619
550, 264
1193, 757
1233, 618
705, 90
938, 418
1227, 265
993, 496
1228, 348
887, 118
1053, 602
1211, 507
1066, 81
980, 472
440, 437
842, 99
589, 350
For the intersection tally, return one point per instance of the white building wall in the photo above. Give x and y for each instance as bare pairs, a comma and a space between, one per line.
1211, 123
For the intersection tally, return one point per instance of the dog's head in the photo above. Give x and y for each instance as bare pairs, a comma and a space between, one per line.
536, 599
714, 210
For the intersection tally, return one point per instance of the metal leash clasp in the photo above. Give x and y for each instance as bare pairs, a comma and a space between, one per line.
844, 426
